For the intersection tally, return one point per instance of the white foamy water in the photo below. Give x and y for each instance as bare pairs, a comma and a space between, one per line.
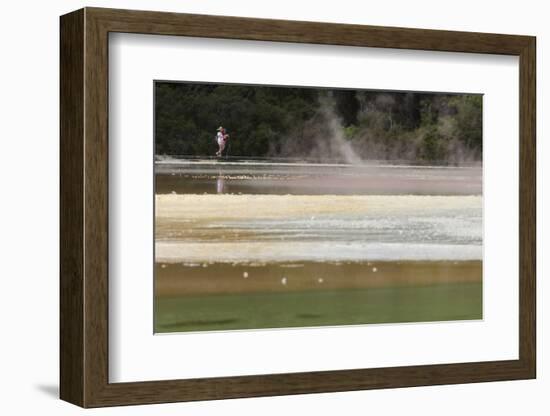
278, 228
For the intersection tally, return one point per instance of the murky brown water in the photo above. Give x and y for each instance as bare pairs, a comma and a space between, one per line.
177, 279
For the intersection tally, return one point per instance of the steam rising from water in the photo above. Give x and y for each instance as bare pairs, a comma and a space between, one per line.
322, 139
333, 143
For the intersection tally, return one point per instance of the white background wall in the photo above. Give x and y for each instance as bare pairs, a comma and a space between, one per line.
29, 157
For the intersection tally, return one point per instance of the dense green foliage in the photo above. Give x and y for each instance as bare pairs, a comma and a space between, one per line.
319, 124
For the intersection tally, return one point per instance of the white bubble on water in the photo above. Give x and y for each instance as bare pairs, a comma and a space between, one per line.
320, 280
283, 281
245, 275
374, 269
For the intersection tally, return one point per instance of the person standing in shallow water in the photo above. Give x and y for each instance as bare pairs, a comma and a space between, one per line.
221, 139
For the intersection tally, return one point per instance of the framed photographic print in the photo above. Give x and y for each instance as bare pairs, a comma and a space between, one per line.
255, 207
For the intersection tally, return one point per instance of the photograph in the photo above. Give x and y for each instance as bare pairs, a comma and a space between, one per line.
306, 207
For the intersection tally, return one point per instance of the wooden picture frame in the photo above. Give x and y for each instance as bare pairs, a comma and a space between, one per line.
84, 207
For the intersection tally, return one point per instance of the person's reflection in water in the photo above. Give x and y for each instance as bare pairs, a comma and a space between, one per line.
220, 184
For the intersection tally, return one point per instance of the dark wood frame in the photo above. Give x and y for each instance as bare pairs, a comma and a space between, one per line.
84, 207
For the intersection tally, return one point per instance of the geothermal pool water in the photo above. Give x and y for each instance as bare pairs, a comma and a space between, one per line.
244, 228
402, 242
299, 178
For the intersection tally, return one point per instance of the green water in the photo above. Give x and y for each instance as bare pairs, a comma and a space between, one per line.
444, 302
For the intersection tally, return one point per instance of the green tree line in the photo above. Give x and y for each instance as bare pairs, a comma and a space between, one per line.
266, 121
